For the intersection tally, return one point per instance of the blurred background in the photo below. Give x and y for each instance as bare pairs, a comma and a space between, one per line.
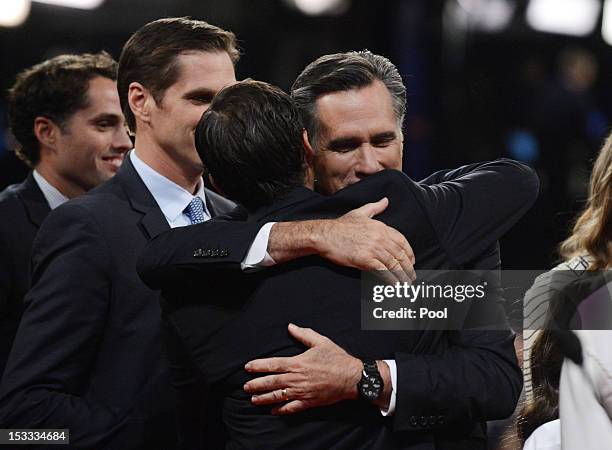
524, 79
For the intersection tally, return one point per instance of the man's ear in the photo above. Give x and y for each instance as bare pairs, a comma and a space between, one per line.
140, 101
46, 131
308, 150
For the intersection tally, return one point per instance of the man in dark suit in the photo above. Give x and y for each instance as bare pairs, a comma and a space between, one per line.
251, 142
66, 117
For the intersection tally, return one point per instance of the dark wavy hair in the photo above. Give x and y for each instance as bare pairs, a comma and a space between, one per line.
55, 89
250, 141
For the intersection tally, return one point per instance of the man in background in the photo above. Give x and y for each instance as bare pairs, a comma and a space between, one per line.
66, 117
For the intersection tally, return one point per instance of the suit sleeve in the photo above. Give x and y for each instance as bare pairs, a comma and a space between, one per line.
447, 174
61, 329
476, 376
218, 245
476, 205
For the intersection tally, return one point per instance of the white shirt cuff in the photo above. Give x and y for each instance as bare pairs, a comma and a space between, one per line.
257, 256
393, 370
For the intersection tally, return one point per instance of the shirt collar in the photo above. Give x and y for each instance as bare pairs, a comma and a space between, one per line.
52, 195
171, 198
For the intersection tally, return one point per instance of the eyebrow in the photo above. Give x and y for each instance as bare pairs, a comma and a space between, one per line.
385, 136
345, 142
349, 142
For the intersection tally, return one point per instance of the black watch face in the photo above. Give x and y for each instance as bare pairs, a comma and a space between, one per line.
371, 387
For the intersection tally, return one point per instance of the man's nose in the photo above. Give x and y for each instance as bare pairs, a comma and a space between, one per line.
122, 141
367, 161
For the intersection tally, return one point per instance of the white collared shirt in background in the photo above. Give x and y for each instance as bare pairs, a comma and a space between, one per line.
53, 196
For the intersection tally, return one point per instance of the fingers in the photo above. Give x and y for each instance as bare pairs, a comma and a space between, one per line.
268, 383
387, 276
270, 365
403, 244
306, 336
292, 407
402, 254
405, 263
370, 209
270, 398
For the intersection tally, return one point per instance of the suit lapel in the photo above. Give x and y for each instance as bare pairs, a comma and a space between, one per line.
218, 205
141, 200
34, 201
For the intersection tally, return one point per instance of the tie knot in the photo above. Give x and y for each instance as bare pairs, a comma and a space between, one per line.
195, 210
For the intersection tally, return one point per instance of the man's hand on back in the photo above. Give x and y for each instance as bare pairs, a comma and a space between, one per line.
323, 375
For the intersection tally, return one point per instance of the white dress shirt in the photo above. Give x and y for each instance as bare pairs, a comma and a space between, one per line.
171, 198
53, 196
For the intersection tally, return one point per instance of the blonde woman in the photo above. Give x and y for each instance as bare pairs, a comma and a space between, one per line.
586, 251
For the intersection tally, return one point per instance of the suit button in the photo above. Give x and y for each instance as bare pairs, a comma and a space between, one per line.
441, 420
423, 421
197, 253
432, 420
224, 253
206, 253
413, 421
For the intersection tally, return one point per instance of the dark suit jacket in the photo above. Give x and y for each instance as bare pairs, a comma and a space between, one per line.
452, 381
88, 353
22, 209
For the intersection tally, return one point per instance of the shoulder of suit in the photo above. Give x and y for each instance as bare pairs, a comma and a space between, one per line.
10, 192
99, 203
390, 174
380, 179
9, 198
221, 204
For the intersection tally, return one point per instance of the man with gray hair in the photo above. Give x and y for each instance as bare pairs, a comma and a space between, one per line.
352, 106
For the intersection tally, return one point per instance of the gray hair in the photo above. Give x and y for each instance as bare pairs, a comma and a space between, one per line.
343, 72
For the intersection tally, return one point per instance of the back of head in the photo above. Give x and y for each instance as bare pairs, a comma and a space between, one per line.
342, 72
55, 89
250, 141
149, 56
